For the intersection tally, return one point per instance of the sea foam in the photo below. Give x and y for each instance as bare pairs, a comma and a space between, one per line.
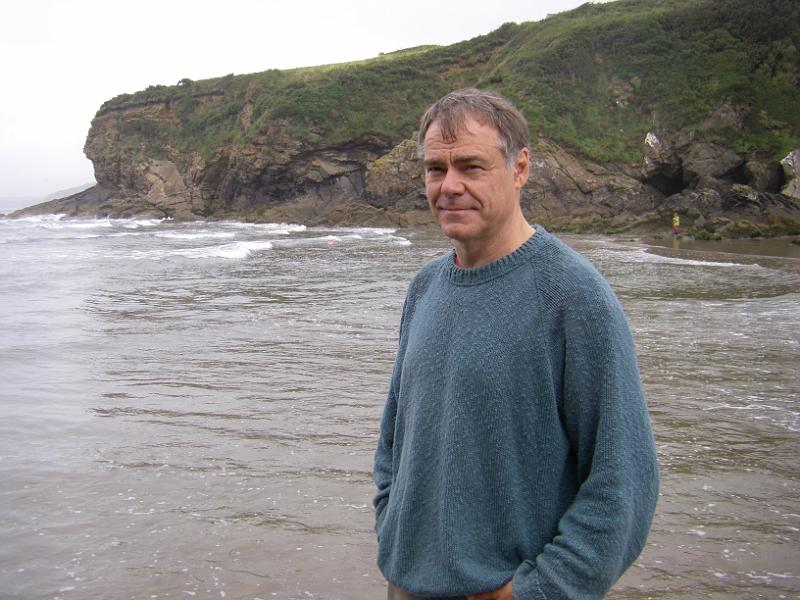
234, 250
198, 235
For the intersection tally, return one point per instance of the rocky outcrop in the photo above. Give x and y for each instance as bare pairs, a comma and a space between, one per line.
791, 171
661, 167
710, 165
712, 187
396, 178
138, 174
149, 161
715, 190
740, 212
371, 181
676, 162
566, 189
763, 176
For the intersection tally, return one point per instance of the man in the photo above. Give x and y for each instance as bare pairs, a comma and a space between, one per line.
515, 458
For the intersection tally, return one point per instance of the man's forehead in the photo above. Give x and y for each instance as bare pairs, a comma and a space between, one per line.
468, 128
468, 138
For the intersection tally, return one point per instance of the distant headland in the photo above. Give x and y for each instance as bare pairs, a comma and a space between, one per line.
638, 110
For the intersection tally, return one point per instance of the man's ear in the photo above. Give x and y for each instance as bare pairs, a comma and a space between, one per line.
522, 168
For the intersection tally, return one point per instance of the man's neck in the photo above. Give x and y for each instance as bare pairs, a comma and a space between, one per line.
476, 253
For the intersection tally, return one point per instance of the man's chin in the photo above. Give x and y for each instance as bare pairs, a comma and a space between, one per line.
459, 226
457, 231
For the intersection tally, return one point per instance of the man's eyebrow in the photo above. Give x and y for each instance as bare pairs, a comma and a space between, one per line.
467, 159
433, 161
471, 159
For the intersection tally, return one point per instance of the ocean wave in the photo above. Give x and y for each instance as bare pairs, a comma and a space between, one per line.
128, 234
331, 240
777, 415
198, 235
61, 221
370, 231
641, 255
35, 219
77, 224
308, 241
272, 228
399, 241
235, 250
137, 223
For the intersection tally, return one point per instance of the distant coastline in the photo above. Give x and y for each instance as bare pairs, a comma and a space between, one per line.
13, 203
10, 204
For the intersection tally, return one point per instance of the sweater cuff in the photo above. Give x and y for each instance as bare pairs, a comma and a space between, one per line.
525, 585
380, 514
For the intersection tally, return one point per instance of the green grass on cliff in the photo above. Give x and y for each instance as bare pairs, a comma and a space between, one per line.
596, 79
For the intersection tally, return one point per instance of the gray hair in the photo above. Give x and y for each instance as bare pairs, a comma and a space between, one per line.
451, 111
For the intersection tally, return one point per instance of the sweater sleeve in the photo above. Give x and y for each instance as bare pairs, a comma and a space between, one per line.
605, 418
382, 469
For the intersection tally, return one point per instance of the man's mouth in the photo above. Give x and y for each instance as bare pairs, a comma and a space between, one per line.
456, 208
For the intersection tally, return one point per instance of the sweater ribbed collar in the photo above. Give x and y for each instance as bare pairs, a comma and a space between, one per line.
500, 267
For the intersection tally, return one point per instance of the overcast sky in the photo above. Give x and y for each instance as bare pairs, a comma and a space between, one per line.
61, 59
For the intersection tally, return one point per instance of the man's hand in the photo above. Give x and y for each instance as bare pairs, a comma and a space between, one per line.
503, 593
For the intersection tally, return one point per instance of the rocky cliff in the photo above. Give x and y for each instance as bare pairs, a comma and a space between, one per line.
638, 110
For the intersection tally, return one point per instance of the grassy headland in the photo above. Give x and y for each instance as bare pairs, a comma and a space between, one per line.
595, 79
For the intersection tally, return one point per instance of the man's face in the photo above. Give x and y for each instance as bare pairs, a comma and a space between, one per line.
472, 192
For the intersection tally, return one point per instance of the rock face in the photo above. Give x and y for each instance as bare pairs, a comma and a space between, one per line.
563, 188
791, 170
248, 181
235, 180
397, 177
763, 177
662, 167
371, 182
708, 165
711, 186
374, 180
674, 163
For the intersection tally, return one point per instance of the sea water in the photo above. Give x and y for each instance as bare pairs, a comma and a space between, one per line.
189, 410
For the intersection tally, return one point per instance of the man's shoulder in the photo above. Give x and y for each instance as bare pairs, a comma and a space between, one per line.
429, 271
566, 276
561, 262
421, 282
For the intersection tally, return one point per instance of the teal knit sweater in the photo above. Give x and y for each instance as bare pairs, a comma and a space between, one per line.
515, 441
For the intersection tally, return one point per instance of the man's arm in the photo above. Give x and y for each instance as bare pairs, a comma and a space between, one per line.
606, 420
382, 470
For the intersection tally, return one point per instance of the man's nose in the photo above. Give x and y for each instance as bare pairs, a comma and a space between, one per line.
452, 185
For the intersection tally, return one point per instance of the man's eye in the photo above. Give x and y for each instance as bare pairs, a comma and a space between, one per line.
434, 170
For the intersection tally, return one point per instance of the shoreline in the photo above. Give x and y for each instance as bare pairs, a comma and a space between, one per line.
781, 247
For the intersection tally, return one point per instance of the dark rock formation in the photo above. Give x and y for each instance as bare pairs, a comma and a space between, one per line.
710, 165
763, 176
662, 167
365, 183
568, 191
